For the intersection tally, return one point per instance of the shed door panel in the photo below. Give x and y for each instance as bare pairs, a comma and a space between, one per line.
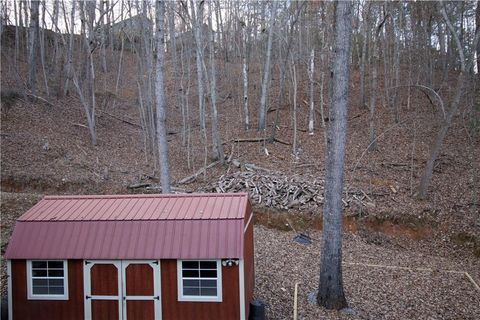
140, 309
104, 280
105, 309
141, 290
103, 298
139, 278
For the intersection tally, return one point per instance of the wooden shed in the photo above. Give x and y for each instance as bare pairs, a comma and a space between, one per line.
186, 256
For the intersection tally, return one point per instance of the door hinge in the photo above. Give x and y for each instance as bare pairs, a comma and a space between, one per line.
155, 262
87, 262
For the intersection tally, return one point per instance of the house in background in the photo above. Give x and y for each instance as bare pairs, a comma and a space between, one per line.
186, 256
132, 31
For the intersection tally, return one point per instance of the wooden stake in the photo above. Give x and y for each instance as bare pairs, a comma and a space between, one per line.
295, 302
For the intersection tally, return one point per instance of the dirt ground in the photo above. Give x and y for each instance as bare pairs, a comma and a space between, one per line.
375, 287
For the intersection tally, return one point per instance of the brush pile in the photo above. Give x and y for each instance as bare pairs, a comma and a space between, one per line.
270, 189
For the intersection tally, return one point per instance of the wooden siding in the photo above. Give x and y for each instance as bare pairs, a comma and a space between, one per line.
249, 277
172, 309
25, 309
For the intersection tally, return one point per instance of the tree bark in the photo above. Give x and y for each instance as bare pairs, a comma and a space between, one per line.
373, 95
245, 78
69, 66
477, 22
266, 73
217, 147
161, 99
311, 116
33, 41
197, 14
330, 292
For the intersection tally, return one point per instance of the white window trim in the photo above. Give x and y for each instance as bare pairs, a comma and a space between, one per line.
32, 296
181, 297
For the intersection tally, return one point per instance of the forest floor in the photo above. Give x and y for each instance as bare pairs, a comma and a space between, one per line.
45, 149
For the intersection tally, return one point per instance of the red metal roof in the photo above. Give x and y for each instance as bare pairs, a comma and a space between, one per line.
186, 226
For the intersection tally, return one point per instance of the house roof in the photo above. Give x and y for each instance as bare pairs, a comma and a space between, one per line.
183, 226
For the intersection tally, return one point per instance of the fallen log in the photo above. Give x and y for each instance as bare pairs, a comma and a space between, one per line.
194, 176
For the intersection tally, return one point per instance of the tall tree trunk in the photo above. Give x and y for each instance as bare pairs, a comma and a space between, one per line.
266, 73
293, 72
311, 69
363, 62
15, 54
197, 14
69, 66
245, 78
33, 42
161, 99
373, 96
42, 49
477, 21
216, 141
330, 291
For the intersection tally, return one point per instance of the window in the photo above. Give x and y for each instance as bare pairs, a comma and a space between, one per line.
199, 280
47, 279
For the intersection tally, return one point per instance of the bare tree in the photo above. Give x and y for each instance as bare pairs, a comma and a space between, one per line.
330, 291
197, 17
461, 80
311, 70
216, 141
266, 73
33, 42
160, 96
245, 56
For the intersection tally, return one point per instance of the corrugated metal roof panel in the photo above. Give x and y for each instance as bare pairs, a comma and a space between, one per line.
138, 207
167, 239
188, 226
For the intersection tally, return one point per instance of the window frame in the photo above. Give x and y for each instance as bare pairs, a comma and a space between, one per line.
32, 296
182, 297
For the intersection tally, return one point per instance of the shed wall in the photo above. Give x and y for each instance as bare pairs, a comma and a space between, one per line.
172, 309
24, 309
249, 277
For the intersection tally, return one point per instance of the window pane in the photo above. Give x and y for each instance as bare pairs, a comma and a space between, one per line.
208, 264
191, 283
208, 273
55, 273
40, 290
190, 273
209, 291
190, 264
191, 291
55, 264
39, 282
208, 283
55, 282
56, 290
39, 264
39, 273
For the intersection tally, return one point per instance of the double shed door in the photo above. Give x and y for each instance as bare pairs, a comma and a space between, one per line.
122, 289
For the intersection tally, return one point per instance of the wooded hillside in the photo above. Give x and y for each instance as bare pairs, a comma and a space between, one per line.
247, 91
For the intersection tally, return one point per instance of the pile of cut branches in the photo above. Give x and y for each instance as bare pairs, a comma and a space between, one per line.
272, 189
